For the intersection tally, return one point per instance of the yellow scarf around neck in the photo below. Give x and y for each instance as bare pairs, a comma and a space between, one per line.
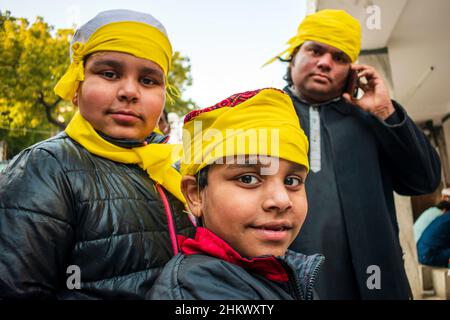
156, 159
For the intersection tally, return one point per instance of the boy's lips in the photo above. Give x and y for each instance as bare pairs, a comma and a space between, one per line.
273, 231
273, 225
125, 116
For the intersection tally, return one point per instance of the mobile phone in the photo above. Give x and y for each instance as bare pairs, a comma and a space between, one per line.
352, 85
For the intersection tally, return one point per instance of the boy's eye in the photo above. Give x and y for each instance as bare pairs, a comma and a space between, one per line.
293, 181
248, 179
147, 81
109, 74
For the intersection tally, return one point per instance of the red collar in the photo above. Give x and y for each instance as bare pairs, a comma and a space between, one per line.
206, 242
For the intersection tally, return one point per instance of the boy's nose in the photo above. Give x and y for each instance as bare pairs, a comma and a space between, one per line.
128, 91
277, 199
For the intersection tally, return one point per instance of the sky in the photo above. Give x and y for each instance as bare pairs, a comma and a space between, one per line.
227, 41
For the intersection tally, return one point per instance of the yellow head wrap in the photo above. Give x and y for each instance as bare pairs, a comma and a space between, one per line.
333, 27
134, 37
261, 122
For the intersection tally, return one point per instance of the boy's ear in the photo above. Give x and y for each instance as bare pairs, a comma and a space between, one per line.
190, 190
75, 99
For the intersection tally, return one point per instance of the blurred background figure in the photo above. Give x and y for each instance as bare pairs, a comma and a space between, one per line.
433, 247
445, 194
428, 216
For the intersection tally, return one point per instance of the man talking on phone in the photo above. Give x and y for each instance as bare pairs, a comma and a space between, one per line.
362, 148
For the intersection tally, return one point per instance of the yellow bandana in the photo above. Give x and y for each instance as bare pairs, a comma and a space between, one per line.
136, 38
333, 27
156, 159
261, 122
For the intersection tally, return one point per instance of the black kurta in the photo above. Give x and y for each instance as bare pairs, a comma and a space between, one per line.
351, 216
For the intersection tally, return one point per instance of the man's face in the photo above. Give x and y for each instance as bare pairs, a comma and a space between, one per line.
256, 214
319, 71
122, 95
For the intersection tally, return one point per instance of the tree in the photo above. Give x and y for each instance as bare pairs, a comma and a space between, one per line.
32, 60
180, 77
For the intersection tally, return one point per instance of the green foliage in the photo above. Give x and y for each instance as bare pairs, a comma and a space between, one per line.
32, 59
180, 77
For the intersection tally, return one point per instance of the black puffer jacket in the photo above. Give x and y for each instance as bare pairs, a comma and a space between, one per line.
62, 206
210, 269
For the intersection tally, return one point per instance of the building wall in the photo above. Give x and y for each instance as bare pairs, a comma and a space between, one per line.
405, 222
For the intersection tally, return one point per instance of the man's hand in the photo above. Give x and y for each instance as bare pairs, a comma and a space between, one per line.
376, 98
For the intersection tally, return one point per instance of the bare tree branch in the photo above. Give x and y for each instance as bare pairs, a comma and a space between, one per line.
48, 110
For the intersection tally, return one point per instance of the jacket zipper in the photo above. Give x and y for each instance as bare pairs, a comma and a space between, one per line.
294, 286
312, 280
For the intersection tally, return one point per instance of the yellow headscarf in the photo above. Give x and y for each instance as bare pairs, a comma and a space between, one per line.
261, 122
333, 27
137, 38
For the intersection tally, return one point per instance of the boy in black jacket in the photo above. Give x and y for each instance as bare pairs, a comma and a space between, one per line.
86, 214
244, 169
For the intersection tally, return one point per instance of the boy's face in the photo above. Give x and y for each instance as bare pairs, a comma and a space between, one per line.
256, 214
122, 95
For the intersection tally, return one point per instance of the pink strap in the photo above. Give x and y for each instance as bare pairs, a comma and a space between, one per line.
172, 233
